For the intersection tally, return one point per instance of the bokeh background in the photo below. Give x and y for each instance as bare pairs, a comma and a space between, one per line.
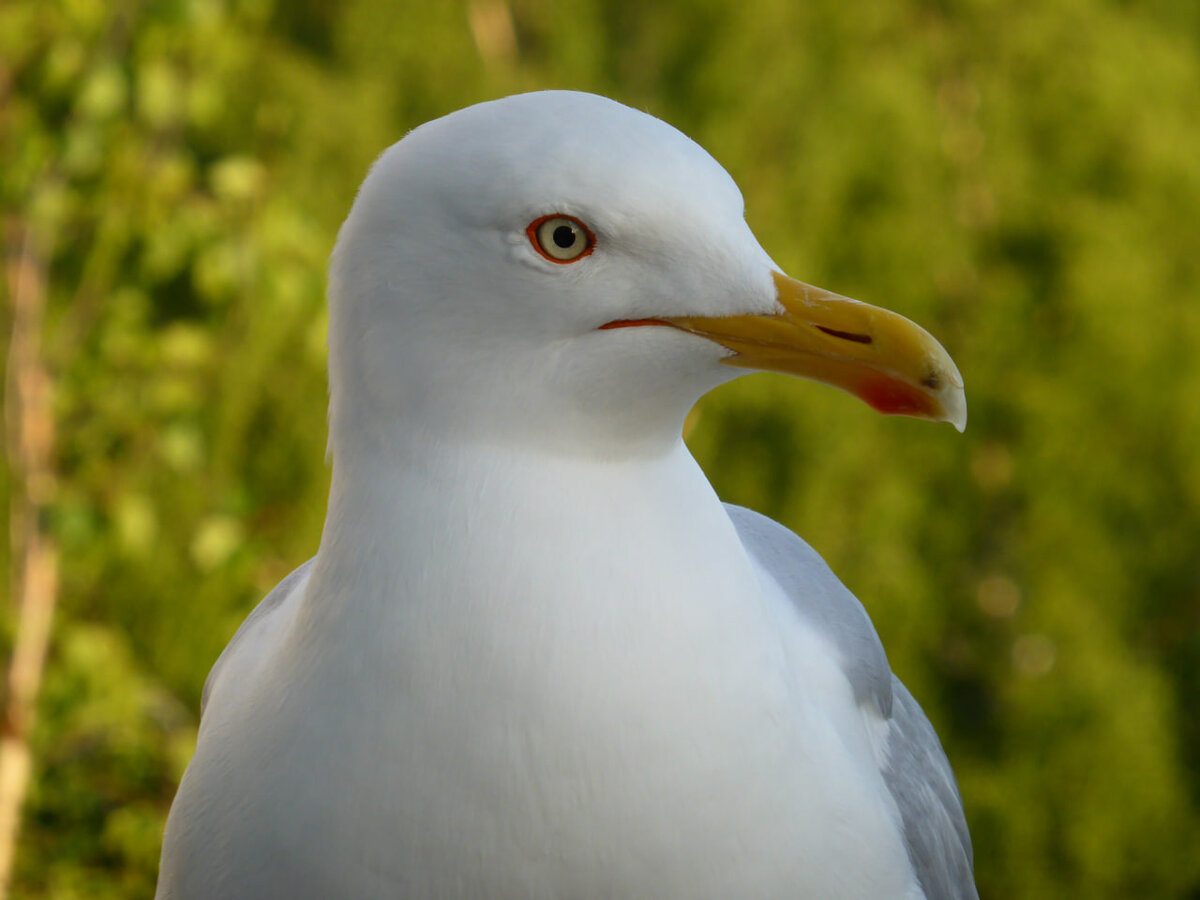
1023, 178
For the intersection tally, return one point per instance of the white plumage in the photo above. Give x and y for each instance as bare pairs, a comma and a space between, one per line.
535, 656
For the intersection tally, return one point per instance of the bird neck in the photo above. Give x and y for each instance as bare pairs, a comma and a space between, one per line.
480, 528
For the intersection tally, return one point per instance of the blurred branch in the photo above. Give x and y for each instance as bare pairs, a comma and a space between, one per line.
493, 32
29, 425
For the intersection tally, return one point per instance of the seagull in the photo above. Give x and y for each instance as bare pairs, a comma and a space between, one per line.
535, 656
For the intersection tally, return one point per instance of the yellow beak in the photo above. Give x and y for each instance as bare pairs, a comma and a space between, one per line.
881, 357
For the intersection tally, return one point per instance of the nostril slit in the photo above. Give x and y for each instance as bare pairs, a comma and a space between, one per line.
847, 335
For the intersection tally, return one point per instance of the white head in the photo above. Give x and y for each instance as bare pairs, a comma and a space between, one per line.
450, 316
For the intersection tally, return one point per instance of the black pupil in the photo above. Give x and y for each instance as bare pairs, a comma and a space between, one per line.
564, 236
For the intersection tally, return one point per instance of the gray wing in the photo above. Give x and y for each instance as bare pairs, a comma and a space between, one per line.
917, 773
920, 779
262, 621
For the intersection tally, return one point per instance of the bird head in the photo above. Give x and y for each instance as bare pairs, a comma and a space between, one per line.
558, 268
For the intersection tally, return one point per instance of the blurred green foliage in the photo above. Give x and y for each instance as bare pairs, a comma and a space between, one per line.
1021, 178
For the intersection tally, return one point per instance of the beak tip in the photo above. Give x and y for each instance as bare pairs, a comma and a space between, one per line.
955, 407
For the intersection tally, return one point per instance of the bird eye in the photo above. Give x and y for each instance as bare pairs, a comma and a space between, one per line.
561, 239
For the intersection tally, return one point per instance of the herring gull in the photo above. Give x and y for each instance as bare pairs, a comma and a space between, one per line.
535, 656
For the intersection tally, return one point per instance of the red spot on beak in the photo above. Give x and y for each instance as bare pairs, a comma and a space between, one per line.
894, 397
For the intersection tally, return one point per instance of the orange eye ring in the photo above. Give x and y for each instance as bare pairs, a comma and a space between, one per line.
561, 239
